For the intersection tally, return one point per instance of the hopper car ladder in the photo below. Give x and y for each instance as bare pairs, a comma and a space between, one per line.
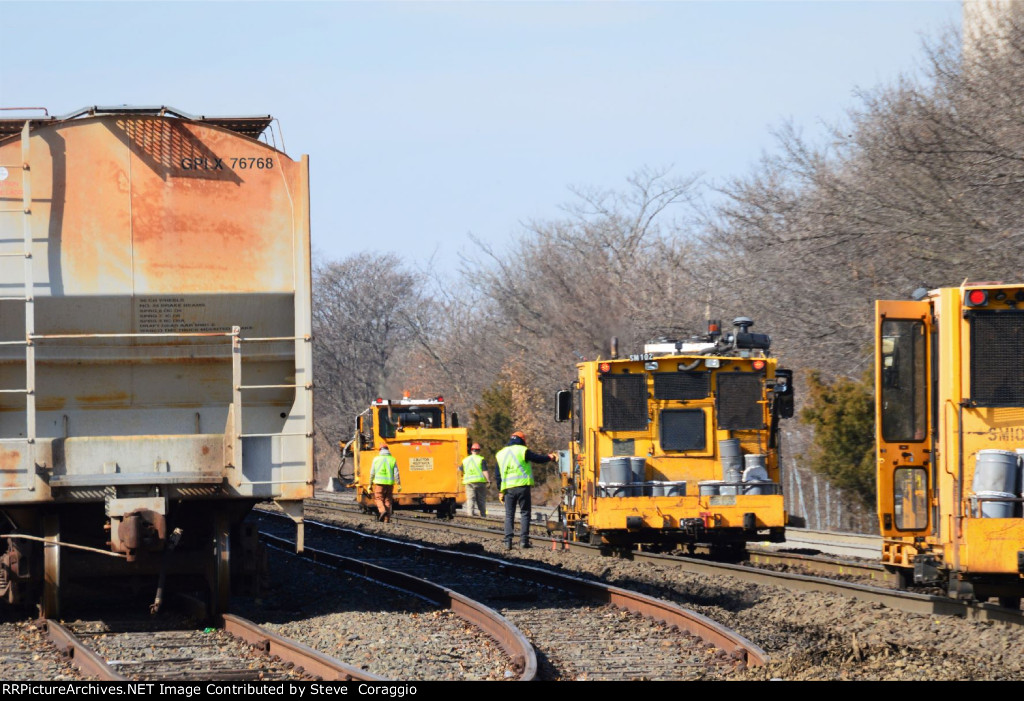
293, 509
28, 440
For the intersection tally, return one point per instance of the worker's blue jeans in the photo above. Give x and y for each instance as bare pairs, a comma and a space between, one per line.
520, 496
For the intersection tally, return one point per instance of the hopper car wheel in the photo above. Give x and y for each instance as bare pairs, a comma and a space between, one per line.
220, 575
1010, 602
50, 605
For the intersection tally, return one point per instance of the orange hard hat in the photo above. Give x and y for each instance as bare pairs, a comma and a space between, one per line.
520, 435
475, 446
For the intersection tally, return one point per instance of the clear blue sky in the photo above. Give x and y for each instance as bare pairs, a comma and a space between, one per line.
427, 121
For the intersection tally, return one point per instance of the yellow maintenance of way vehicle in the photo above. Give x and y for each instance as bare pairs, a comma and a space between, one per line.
950, 436
677, 445
428, 446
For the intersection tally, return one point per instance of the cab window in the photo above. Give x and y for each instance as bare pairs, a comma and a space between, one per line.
394, 418
903, 390
910, 492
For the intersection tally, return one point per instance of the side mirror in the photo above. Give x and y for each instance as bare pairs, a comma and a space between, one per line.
784, 395
563, 405
455, 419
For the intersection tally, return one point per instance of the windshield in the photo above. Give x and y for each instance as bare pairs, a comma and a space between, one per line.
395, 417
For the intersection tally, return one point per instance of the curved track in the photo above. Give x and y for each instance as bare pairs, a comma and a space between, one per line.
509, 638
140, 649
582, 629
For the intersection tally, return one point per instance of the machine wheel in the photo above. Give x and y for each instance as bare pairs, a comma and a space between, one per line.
50, 604
1010, 602
903, 576
731, 552
961, 589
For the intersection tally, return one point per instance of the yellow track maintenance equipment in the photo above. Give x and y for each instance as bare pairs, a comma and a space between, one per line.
428, 445
949, 385
677, 445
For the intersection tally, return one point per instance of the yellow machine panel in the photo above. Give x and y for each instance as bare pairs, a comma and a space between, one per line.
428, 446
950, 435
677, 445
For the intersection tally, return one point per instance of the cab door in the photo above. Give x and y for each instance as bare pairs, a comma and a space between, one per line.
903, 426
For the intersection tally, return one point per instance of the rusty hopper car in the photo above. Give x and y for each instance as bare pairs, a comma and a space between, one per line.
428, 446
154, 347
950, 438
677, 445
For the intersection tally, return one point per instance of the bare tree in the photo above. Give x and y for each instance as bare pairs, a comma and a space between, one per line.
368, 310
921, 186
616, 265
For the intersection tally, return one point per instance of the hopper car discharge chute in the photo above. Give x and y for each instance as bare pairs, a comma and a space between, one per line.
677, 445
155, 360
949, 391
428, 445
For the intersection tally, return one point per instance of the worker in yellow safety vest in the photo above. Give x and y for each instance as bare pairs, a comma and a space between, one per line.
475, 478
516, 479
384, 479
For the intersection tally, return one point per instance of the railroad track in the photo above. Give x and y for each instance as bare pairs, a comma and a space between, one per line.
805, 559
870, 582
473, 614
581, 629
146, 649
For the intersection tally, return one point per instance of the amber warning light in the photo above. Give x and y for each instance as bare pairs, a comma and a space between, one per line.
605, 367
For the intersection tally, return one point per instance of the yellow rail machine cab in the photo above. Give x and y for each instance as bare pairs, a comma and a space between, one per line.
678, 444
950, 434
428, 445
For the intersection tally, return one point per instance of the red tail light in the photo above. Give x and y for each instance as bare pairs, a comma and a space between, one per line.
976, 298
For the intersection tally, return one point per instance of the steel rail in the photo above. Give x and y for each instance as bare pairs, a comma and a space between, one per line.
518, 648
312, 661
667, 612
767, 556
271, 644
823, 565
87, 661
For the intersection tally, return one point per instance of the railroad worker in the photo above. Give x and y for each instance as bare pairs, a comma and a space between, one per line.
385, 479
516, 479
476, 479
